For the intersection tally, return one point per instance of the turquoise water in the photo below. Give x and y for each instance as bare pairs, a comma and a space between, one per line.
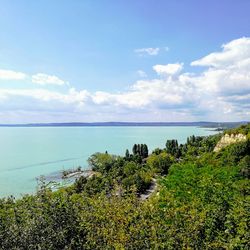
27, 153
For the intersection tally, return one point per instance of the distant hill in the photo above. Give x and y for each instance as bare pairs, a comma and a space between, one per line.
219, 125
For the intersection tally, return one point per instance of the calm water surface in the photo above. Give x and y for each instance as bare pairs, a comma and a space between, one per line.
27, 153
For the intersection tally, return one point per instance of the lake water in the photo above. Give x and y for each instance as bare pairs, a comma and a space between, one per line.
28, 152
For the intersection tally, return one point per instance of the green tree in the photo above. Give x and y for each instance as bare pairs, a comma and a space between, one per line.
127, 155
160, 163
135, 149
172, 147
244, 165
101, 162
144, 153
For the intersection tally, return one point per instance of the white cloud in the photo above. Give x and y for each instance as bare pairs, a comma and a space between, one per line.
168, 69
11, 75
228, 71
39, 78
220, 92
143, 94
43, 95
232, 52
147, 51
150, 51
44, 79
141, 73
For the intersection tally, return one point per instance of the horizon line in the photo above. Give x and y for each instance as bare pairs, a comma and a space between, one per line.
118, 123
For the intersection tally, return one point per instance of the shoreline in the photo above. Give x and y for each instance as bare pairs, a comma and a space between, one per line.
78, 173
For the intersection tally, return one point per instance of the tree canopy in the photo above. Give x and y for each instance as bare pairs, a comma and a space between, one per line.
202, 201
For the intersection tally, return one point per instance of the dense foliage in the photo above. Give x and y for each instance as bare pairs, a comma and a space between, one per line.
244, 129
202, 202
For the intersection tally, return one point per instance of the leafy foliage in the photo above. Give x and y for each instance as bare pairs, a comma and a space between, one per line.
203, 202
243, 129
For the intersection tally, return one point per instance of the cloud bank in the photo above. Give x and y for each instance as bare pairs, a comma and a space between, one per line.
221, 91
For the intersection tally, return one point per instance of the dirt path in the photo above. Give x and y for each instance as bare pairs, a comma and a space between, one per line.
150, 191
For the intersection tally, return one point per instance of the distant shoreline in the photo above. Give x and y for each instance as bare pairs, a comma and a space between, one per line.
130, 124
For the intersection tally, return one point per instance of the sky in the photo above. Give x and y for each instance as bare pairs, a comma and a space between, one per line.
113, 60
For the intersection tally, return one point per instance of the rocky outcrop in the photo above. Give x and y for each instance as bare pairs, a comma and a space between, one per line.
229, 139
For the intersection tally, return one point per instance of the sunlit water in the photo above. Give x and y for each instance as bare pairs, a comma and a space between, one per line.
27, 153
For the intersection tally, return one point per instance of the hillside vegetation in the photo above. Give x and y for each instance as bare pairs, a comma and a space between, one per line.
202, 201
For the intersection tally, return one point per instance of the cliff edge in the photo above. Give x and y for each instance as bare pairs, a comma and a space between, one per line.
228, 139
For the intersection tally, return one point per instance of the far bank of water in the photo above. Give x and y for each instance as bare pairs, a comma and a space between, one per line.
28, 152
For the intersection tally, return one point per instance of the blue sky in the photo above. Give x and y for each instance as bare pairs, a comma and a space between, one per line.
124, 60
